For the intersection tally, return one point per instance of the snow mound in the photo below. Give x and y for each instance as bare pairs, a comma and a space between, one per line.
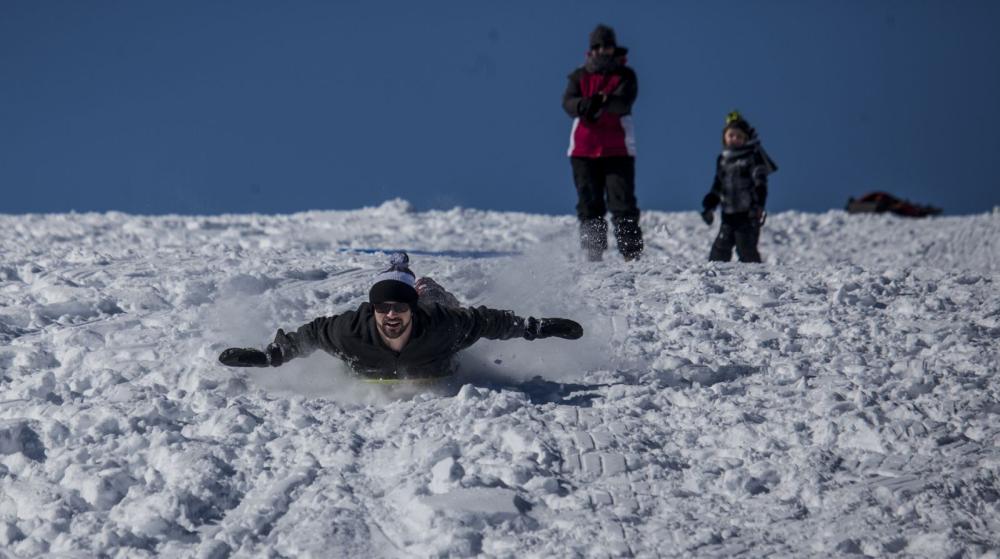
840, 399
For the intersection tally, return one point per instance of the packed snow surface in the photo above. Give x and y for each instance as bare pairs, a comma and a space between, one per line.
840, 399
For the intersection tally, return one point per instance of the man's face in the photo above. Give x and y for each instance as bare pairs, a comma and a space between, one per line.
392, 318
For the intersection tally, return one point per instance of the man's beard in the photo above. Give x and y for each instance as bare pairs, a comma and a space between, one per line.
393, 328
600, 63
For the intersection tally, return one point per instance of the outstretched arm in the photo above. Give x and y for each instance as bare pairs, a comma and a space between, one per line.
493, 324
285, 347
307, 339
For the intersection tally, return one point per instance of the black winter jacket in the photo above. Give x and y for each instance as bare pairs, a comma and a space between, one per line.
740, 181
438, 334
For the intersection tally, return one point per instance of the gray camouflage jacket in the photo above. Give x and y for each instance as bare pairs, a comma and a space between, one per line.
740, 179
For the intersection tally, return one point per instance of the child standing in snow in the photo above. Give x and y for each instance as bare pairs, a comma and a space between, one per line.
740, 186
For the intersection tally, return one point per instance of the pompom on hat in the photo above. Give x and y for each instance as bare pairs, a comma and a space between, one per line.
395, 283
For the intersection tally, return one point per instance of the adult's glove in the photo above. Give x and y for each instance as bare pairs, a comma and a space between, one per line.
250, 357
536, 329
244, 357
588, 107
758, 216
708, 216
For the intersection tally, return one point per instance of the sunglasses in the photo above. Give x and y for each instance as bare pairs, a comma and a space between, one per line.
385, 308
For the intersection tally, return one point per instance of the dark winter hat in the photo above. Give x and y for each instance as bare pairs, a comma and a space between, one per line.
602, 36
396, 283
735, 120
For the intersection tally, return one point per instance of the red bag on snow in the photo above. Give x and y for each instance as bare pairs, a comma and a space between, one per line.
881, 202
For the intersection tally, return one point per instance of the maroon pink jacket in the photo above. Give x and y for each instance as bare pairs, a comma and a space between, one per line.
610, 133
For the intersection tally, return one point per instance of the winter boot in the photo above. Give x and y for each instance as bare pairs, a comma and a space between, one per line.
629, 237
594, 238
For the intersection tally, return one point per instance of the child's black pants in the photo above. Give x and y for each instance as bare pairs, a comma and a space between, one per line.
738, 230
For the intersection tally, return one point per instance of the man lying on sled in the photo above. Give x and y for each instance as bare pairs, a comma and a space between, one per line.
408, 329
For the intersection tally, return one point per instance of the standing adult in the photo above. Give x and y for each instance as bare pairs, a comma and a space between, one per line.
599, 97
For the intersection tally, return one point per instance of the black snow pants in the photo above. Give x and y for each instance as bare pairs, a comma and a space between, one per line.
739, 230
603, 184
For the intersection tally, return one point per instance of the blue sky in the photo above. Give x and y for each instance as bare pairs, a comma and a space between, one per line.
204, 107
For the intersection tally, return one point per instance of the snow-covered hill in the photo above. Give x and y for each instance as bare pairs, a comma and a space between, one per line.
841, 399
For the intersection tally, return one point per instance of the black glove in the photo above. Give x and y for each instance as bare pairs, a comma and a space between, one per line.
250, 357
708, 216
758, 216
244, 357
588, 107
536, 329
